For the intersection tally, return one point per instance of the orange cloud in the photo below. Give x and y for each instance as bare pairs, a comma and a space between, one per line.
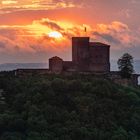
116, 33
8, 2
34, 38
9, 6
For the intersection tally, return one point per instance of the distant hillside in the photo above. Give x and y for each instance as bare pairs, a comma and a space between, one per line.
67, 108
13, 66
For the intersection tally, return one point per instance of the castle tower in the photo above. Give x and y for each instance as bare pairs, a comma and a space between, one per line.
56, 64
80, 53
99, 57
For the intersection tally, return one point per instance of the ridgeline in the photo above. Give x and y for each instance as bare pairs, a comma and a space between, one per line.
74, 107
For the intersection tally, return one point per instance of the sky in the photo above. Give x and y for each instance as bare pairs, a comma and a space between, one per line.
34, 30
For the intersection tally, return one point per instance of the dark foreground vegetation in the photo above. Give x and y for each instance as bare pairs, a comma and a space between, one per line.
67, 108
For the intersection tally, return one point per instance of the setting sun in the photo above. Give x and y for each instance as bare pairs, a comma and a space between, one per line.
55, 34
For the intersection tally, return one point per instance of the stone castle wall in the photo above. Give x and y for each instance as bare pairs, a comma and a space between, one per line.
99, 58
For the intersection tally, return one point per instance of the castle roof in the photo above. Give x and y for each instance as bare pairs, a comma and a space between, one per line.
92, 44
56, 58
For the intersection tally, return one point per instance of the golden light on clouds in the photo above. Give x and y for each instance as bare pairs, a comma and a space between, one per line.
10, 6
8, 2
49, 35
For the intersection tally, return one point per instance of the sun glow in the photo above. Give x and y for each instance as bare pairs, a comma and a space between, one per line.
55, 34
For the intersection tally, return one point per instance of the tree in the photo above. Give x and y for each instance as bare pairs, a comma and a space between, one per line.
125, 65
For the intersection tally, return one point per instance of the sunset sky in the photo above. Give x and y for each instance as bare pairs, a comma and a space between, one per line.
34, 30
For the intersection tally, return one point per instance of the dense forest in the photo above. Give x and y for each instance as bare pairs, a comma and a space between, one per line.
77, 107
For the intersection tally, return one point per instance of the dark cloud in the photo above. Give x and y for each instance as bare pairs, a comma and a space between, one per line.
51, 24
108, 38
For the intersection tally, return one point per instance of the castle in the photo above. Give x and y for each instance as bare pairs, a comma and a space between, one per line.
93, 57
87, 58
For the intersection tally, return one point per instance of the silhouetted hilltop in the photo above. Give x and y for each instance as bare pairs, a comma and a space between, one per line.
77, 107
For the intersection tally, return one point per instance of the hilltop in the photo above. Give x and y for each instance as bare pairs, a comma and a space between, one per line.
74, 107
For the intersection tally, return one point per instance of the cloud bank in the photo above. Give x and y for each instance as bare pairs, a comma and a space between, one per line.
34, 38
25, 25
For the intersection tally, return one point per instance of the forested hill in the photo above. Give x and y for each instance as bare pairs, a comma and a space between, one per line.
67, 108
